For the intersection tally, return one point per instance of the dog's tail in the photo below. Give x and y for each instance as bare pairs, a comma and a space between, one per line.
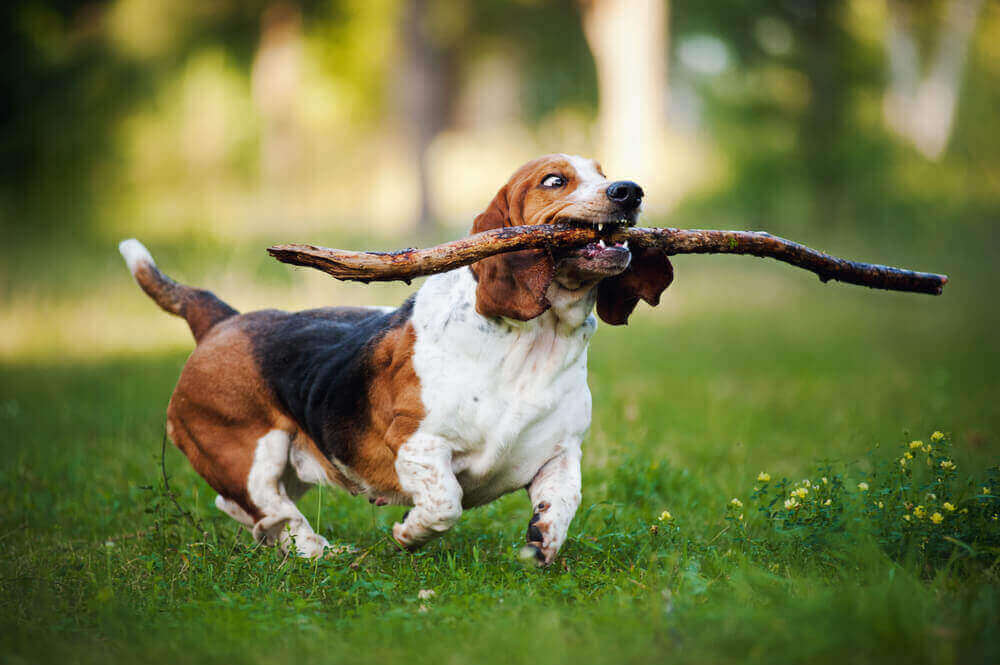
201, 309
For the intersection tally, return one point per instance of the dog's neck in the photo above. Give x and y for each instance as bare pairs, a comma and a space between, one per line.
572, 301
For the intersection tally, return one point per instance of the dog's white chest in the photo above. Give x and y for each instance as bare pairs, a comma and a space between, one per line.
507, 396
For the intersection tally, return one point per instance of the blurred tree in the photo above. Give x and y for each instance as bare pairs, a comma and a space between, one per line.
797, 67
276, 80
921, 109
425, 95
70, 72
445, 40
821, 27
628, 39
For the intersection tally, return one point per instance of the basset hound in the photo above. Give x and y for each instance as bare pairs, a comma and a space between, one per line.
474, 387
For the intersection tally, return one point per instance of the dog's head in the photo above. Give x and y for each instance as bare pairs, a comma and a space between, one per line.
567, 189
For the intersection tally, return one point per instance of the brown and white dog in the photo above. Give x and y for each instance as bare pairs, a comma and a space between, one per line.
475, 387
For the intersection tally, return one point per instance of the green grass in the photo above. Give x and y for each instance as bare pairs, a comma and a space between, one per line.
749, 369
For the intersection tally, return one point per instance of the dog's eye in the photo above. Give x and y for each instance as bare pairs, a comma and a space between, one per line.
553, 180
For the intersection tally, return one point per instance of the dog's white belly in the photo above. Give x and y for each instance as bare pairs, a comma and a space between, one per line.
492, 461
507, 397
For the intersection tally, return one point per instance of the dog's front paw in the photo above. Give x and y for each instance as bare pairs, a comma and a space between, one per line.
404, 537
540, 546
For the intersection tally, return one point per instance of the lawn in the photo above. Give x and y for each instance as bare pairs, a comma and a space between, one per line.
748, 367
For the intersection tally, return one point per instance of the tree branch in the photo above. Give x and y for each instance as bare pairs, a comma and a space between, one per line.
410, 263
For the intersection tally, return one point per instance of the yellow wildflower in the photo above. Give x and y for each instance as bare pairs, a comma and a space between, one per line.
936, 436
863, 486
807, 483
927, 449
827, 502
906, 517
665, 516
908, 455
902, 461
825, 481
764, 477
915, 444
800, 492
937, 518
948, 506
736, 502
881, 505
791, 503
948, 465
653, 529
986, 490
919, 512
740, 518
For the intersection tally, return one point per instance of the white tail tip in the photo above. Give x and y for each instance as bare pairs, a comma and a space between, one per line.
135, 254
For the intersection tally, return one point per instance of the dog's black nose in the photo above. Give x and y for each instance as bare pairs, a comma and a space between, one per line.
625, 193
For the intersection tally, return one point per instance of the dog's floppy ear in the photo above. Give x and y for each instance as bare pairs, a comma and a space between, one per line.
649, 273
512, 284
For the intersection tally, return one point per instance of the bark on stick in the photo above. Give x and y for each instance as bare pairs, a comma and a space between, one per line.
408, 264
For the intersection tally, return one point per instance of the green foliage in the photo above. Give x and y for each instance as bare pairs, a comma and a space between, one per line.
925, 510
918, 508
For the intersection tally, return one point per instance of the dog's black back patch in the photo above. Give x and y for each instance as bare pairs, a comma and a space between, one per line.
318, 363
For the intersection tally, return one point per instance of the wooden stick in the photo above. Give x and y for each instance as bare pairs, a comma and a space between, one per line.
410, 263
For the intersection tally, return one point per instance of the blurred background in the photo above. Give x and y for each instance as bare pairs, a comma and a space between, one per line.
210, 129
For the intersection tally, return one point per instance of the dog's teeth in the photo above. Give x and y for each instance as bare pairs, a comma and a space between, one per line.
601, 243
600, 227
625, 244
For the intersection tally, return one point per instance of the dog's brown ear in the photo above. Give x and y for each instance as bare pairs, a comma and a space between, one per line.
649, 273
513, 284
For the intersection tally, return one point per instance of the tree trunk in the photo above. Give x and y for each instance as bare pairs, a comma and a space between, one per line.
821, 129
423, 100
276, 81
628, 39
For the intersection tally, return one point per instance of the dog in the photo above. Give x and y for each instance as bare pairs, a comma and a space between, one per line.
476, 386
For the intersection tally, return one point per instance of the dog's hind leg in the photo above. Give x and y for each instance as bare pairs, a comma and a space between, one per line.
281, 520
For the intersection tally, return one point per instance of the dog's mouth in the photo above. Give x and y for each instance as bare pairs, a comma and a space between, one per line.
604, 257
607, 223
599, 259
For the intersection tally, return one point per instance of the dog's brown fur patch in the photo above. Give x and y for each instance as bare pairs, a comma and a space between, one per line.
396, 409
218, 411
222, 405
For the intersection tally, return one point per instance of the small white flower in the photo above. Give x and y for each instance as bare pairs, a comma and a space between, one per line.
425, 594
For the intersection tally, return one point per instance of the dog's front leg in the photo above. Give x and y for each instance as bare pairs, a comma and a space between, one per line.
555, 496
423, 465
